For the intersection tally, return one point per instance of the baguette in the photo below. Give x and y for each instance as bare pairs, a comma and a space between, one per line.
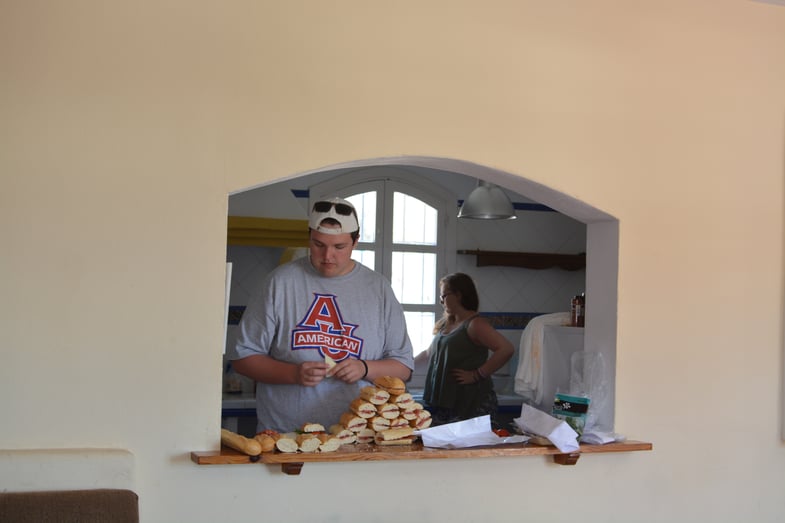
240, 443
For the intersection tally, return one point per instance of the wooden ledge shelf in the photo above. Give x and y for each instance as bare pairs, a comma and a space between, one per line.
528, 260
292, 463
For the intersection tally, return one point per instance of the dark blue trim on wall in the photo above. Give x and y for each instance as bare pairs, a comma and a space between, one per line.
300, 193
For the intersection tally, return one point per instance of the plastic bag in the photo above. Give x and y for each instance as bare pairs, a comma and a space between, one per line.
589, 379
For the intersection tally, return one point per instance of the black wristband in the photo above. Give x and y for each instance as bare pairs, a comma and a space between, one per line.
366, 369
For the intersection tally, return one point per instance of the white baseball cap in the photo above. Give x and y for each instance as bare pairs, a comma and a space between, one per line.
339, 210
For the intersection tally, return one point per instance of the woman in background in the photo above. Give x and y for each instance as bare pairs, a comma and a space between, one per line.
458, 384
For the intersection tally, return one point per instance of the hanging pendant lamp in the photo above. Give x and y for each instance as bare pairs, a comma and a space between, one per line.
487, 202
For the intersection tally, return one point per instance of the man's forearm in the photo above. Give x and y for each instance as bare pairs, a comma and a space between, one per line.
267, 370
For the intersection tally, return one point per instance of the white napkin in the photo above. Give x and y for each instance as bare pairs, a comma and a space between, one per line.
472, 432
600, 438
557, 431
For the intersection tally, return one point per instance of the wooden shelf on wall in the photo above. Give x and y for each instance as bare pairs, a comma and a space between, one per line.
528, 260
291, 463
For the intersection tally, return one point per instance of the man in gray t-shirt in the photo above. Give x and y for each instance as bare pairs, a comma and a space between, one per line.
316, 310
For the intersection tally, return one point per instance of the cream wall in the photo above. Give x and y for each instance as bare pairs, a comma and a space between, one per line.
125, 125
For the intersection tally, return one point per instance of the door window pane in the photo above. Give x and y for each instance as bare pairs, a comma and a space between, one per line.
413, 277
414, 222
419, 325
365, 205
367, 258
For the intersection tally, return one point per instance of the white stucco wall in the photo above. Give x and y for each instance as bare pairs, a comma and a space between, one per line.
125, 126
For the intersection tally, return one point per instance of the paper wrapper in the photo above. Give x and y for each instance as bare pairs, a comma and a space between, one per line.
557, 431
475, 432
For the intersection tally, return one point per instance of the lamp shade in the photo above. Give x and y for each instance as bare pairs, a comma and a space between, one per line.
487, 202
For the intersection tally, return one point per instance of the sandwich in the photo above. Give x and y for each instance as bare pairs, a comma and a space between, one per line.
330, 364
402, 436
388, 410
366, 436
423, 420
328, 442
391, 384
374, 395
352, 422
343, 434
402, 400
378, 423
398, 423
364, 409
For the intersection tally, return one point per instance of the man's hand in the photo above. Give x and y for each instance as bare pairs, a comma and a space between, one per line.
311, 373
349, 370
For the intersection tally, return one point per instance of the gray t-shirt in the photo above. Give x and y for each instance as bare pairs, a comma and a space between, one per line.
300, 315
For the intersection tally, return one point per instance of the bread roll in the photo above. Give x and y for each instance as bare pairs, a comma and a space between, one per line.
266, 441
286, 443
312, 427
308, 442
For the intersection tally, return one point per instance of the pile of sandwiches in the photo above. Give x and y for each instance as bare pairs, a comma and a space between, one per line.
384, 414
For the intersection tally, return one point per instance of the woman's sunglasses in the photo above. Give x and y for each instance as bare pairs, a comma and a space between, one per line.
340, 208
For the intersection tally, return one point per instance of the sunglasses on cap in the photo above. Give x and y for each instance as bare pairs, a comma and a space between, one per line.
340, 208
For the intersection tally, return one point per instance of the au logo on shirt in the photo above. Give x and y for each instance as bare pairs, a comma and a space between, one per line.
323, 329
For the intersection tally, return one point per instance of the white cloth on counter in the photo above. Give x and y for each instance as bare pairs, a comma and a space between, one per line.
529, 376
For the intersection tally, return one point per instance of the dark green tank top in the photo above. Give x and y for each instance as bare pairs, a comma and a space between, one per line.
455, 351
